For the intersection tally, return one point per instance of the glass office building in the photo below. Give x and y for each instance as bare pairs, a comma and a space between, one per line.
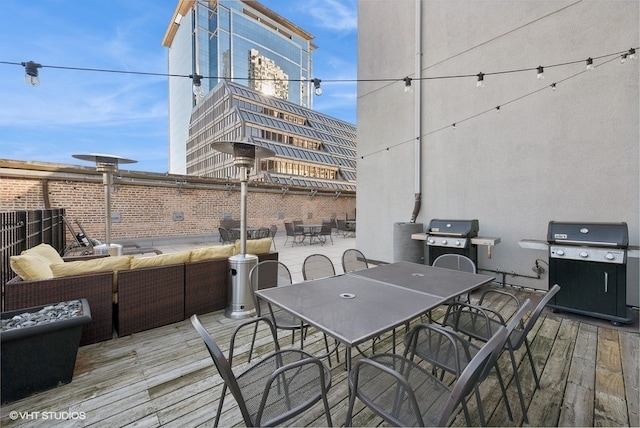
238, 40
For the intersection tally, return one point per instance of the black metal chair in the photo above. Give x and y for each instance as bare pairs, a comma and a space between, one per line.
297, 236
317, 266
325, 232
225, 236
341, 226
280, 386
405, 393
446, 350
478, 322
353, 260
268, 274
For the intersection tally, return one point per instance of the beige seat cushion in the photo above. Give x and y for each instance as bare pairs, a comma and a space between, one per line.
212, 253
160, 260
104, 264
46, 251
255, 246
31, 267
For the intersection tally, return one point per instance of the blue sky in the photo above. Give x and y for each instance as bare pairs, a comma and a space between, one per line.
84, 112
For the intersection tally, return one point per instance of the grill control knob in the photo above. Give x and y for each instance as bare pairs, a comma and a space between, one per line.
431, 241
560, 252
457, 243
584, 254
610, 256
444, 242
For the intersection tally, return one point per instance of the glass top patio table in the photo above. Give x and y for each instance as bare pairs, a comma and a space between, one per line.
445, 283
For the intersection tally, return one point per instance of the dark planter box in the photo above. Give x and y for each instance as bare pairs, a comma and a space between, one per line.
40, 357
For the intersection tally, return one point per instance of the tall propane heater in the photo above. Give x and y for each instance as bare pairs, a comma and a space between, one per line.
240, 301
107, 164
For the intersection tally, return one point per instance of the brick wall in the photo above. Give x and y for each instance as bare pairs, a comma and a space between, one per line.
151, 205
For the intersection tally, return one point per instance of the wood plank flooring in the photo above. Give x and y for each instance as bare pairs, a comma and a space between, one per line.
164, 377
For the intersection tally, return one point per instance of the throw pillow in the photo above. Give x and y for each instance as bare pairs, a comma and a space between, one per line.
255, 246
46, 251
212, 253
82, 267
31, 267
160, 260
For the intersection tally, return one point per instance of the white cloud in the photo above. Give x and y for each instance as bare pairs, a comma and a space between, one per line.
337, 15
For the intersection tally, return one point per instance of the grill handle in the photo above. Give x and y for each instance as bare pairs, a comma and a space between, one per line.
606, 282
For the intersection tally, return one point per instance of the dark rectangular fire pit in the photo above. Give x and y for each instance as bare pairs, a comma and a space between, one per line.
39, 347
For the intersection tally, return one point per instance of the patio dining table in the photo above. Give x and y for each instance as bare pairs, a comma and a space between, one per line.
358, 306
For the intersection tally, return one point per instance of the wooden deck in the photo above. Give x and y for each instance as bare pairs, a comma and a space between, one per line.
165, 377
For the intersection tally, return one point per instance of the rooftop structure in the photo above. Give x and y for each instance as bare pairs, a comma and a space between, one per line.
312, 149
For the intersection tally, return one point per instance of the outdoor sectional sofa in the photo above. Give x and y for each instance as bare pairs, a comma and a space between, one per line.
150, 292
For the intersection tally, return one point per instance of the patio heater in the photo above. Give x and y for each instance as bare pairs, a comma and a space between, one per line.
239, 300
107, 164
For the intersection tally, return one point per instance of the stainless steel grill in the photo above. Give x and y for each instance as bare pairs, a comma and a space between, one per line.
588, 261
451, 237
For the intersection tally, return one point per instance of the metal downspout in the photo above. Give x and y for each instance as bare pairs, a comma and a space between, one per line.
418, 112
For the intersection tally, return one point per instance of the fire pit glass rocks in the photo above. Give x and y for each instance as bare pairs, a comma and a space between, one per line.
39, 347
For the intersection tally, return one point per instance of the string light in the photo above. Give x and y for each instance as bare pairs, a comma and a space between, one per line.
480, 82
316, 85
589, 63
197, 84
612, 57
407, 85
553, 86
31, 73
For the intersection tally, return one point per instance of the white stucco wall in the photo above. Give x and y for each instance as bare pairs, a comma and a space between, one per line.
567, 155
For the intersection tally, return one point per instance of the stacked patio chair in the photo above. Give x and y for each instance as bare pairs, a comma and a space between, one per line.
225, 236
283, 384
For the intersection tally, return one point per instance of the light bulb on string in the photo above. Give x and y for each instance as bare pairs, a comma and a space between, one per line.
31, 73
316, 85
197, 84
480, 82
497, 109
553, 86
540, 72
632, 53
407, 85
589, 63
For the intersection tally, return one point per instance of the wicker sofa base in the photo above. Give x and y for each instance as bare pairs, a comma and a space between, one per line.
147, 298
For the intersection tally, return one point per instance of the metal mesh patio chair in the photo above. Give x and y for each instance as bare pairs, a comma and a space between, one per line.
478, 322
268, 274
225, 236
446, 350
455, 262
404, 393
297, 236
353, 260
280, 386
317, 266
325, 232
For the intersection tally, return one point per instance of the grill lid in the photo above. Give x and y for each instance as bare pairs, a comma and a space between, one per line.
463, 228
597, 234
